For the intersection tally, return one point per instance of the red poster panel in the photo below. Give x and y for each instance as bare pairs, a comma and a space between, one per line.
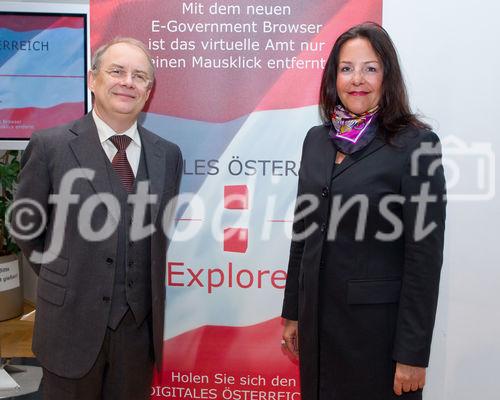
236, 88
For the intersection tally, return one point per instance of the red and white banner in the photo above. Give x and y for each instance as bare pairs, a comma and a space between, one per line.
237, 88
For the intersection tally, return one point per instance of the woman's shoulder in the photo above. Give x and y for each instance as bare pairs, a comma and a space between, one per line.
416, 135
412, 138
317, 132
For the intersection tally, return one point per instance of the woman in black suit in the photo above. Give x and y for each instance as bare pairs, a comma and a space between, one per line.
365, 259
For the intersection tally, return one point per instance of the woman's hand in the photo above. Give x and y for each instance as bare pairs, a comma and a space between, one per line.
408, 378
290, 337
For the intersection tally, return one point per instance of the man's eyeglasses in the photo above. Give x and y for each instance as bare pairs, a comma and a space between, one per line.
139, 78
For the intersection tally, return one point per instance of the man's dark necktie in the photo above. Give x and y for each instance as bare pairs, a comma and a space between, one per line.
120, 161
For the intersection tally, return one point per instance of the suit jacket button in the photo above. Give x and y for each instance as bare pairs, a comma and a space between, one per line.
130, 264
106, 299
130, 284
109, 260
325, 192
323, 227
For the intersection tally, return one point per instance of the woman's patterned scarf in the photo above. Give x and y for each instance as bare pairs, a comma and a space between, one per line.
352, 132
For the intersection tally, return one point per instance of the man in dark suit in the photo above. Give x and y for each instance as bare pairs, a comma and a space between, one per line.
103, 188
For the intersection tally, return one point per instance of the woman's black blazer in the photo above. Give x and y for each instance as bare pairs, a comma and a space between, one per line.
406, 179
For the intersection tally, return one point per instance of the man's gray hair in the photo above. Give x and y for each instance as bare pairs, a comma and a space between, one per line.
97, 57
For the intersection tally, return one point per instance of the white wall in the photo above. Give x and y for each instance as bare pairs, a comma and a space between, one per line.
449, 51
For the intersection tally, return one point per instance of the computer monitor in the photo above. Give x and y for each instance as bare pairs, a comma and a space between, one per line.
43, 65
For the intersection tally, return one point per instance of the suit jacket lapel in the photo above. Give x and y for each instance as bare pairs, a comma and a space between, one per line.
327, 153
88, 151
376, 144
155, 162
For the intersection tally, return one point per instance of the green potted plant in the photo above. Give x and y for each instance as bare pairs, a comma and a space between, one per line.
11, 294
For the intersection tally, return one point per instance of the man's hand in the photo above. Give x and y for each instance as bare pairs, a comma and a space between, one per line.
408, 378
290, 337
